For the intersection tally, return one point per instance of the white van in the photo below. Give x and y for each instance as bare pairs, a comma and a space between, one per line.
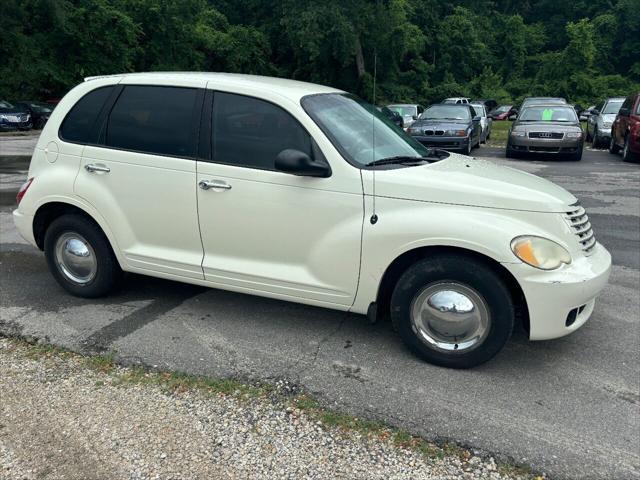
304, 193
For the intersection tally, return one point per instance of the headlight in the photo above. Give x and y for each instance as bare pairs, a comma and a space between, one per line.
413, 130
3, 117
574, 134
518, 133
456, 133
606, 125
540, 252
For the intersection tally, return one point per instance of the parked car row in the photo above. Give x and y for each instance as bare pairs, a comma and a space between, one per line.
24, 115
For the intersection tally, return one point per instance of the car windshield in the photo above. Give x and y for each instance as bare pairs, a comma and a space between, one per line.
479, 109
544, 101
612, 106
446, 112
548, 114
352, 125
404, 110
5, 104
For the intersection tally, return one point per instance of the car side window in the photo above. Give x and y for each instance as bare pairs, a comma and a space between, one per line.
153, 119
79, 124
638, 108
250, 132
473, 112
420, 110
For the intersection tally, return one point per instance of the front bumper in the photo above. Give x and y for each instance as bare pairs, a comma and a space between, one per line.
447, 143
561, 301
533, 145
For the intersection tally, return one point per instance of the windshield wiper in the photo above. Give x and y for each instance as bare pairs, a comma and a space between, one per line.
400, 159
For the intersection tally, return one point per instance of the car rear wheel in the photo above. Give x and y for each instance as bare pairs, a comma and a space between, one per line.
613, 148
627, 154
80, 258
452, 311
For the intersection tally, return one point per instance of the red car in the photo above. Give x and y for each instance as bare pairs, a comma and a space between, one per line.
503, 112
625, 131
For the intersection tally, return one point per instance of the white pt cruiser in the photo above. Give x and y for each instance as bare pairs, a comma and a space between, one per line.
304, 193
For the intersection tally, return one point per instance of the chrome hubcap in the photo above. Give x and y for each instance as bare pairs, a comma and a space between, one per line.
75, 258
450, 317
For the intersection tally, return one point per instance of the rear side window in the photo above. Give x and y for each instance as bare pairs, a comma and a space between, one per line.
79, 124
250, 132
153, 119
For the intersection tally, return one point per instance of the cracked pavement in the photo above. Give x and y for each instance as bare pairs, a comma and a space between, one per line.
568, 407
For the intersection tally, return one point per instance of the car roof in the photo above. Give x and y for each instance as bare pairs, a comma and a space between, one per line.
550, 105
292, 89
611, 99
403, 105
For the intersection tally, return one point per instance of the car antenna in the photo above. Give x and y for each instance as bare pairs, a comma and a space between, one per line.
374, 216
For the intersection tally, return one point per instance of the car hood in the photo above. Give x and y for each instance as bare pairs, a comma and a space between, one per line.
463, 180
13, 111
607, 117
442, 124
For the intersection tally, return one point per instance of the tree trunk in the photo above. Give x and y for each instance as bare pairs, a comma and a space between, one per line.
359, 58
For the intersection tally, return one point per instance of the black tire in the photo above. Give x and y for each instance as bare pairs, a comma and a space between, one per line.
576, 157
627, 154
510, 152
588, 135
613, 148
595, 140
462, 270
107, 273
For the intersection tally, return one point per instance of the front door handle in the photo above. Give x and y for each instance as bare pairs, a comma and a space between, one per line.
90, 167
215, 184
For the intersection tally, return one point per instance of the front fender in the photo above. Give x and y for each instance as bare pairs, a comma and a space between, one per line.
405, 225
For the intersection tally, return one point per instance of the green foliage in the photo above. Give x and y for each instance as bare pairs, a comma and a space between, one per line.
420, 50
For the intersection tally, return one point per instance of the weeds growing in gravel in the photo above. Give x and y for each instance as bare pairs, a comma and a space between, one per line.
177, 382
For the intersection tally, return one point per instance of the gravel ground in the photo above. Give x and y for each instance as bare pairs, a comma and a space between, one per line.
60, 418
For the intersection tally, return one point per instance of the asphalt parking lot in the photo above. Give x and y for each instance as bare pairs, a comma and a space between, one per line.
568, 407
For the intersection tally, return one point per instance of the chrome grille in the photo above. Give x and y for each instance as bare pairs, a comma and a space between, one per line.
578, 220
547, 135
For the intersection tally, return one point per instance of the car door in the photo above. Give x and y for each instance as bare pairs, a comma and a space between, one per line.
141, 177
269, 232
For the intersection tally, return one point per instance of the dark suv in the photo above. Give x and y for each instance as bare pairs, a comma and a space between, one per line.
625, 130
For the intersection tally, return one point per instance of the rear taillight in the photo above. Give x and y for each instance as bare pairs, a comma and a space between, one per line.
23, 189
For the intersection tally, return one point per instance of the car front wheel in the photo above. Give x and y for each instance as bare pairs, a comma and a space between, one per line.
613, 148
627, 154
452, 311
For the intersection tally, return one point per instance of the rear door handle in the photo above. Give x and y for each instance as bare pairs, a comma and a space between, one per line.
90, 167
215, 184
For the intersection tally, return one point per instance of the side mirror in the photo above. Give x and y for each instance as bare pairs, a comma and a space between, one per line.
414, 117
624, 112
299, 163
477, 118
595, 111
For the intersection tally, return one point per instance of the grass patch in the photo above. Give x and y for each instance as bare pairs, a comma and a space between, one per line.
176, 382
499, 133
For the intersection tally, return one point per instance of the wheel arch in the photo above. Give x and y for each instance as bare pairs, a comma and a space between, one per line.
49, 211
400, 264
